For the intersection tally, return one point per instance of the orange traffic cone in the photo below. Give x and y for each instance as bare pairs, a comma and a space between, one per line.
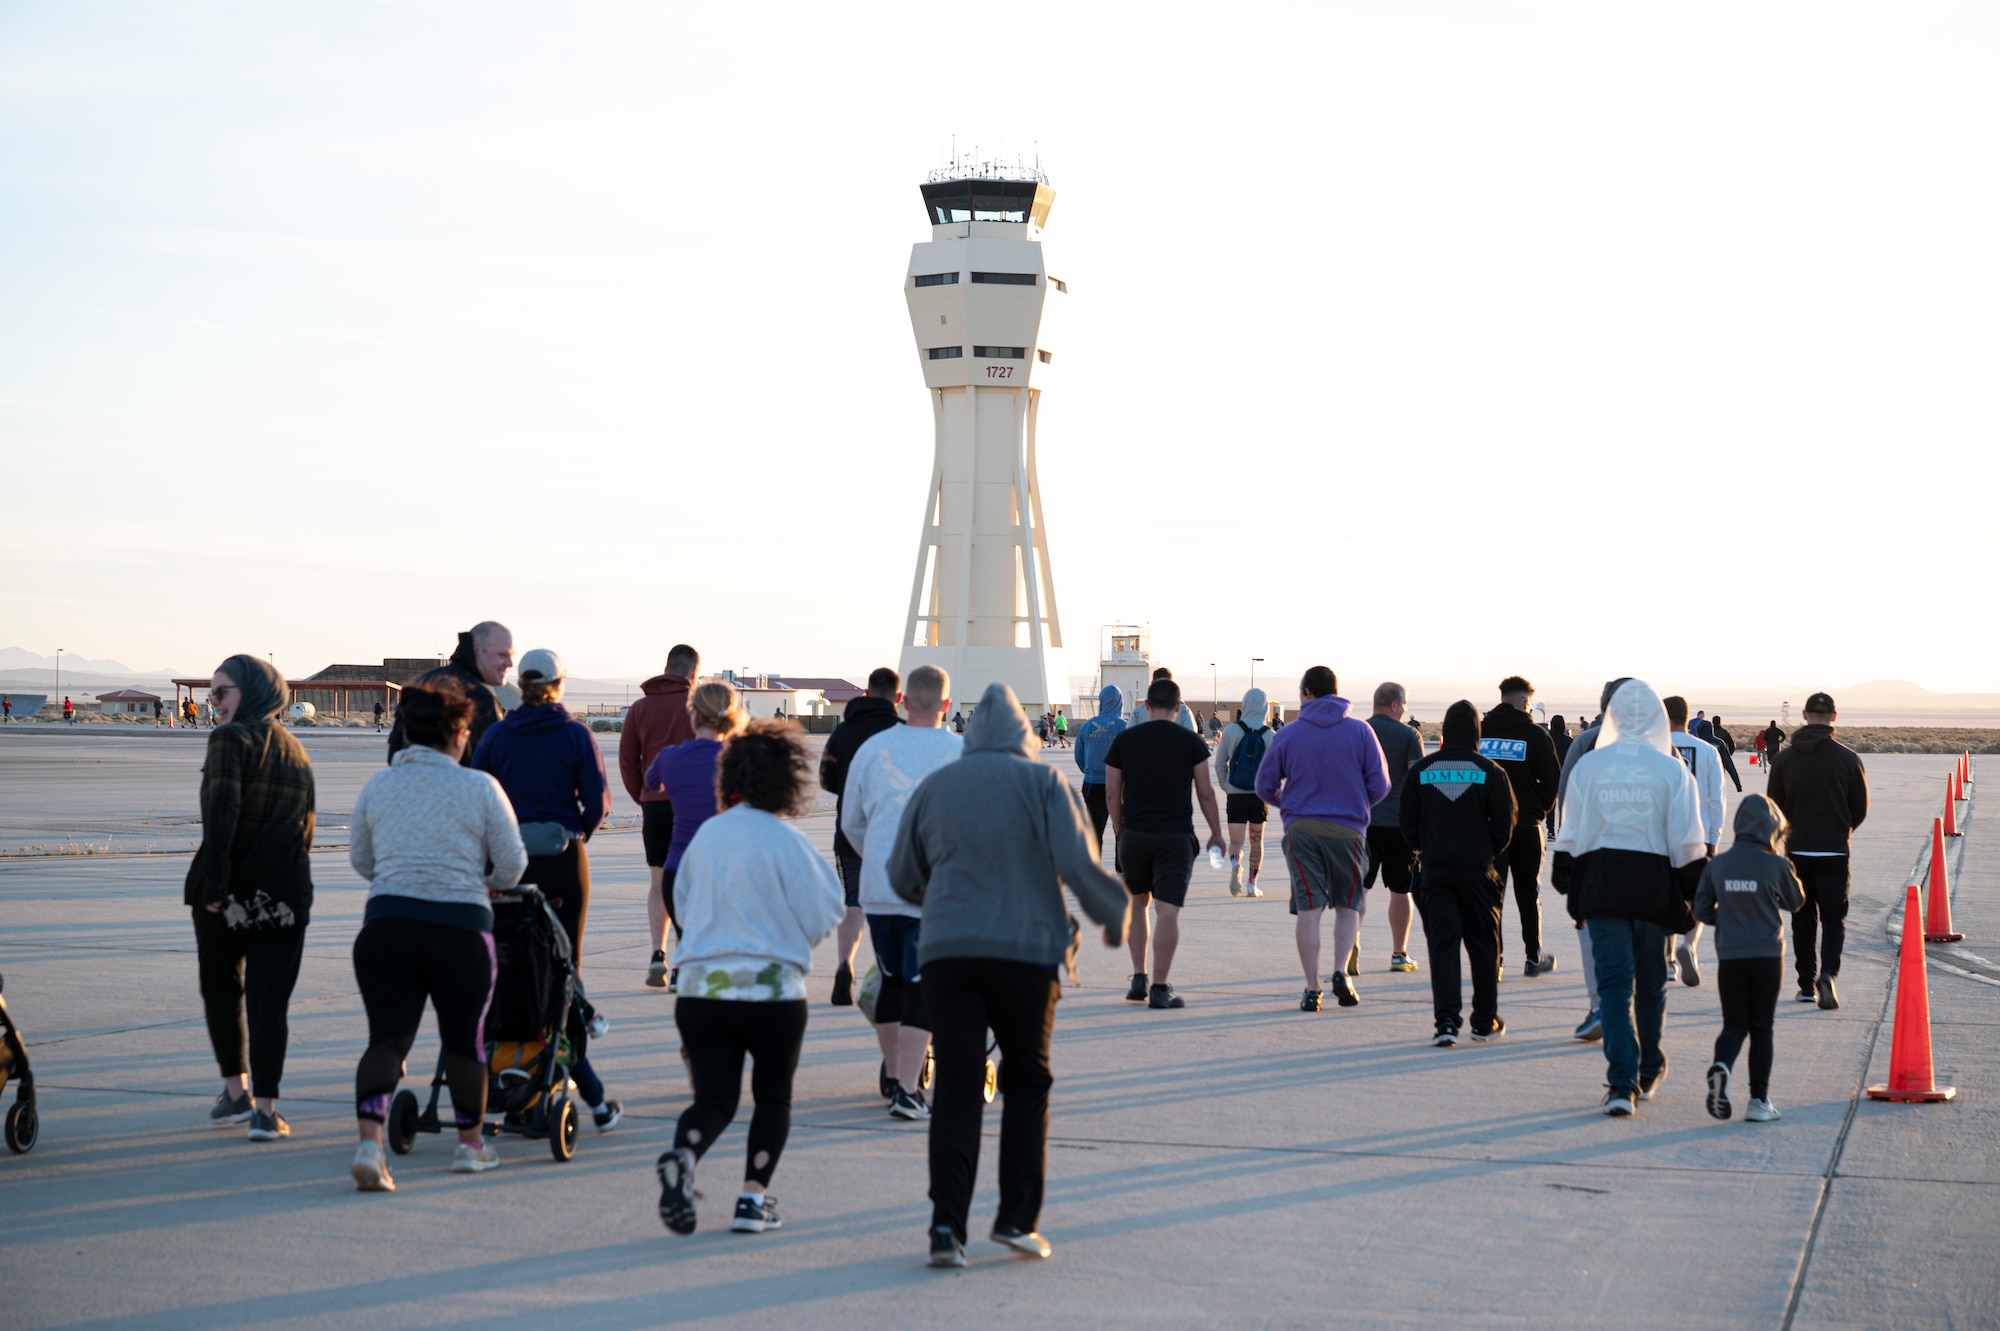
1950, 819
1965, 769
1937, 928
1910, 1076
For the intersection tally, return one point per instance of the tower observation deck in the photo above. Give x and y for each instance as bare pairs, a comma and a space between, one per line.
985, 313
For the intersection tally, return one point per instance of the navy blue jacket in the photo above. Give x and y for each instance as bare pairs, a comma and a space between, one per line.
549, 765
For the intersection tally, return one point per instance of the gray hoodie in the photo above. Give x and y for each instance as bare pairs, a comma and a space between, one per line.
1743, 889
988, 842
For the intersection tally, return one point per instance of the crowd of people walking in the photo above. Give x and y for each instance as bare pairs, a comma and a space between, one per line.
953, 845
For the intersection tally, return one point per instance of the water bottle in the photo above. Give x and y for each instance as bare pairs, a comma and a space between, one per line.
1216, 860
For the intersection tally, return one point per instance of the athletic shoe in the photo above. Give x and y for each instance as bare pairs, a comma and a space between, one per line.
1805, 995
1163, 996
1540, 964
1647, 1085
1493, 1032
1762, 1111
370, 1170
1718, 1090
597, 1025
1591, 1028
754, 1217
674, 980
676, 1171
1311, 1001
1690, 969
1673, 971
268, 1127
1343, 990
1618, 1102
1251, 889
607, 1115
470, 1159
1400, 961
908, 1104
1447, 1035
228, 1110
1827, 998
1137, 993
946, 1250
1354, 960
843, 986
1023, 1241
656, 971
1235, 882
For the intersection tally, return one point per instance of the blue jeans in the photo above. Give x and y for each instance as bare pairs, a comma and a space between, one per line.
1631, 961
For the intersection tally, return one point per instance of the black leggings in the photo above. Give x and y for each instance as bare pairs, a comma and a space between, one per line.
565, 880
251, 970
1522, 862
1100, 808
399, 963
715, 1035
1749, 988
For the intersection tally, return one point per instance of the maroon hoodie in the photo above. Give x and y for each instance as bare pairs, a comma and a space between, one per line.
659, 720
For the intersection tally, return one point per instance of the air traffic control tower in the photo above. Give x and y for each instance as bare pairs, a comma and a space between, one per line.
983, 307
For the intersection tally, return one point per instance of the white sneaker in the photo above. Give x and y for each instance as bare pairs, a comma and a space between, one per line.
1250, 888
1690, 972
370, 1170
470, 1159
1235, 878
1762, 1111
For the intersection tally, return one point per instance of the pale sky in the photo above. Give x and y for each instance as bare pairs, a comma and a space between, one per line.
1428, 341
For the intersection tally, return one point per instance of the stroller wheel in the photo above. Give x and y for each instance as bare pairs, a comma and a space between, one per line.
402, 1125
23, 1127
992, 1081
562, 1129
924, 1073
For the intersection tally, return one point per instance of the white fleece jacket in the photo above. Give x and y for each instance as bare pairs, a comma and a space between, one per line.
425, 827
753, 895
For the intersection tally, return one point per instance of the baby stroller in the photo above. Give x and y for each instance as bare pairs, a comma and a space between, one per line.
528, 1040
23, 1126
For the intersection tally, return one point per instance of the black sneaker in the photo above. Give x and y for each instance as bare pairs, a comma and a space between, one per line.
1718, 1090
753, 1217
1311, 1001
676, 1171
1137, 993
1540, 964
843, 986
268, 1127
908, 1104
1447, 1035
1343, 989
228, 1110
1826, 998
607, 1115
1025, 1241
946, 1250
1618, 1102
1493, 1032
1163, 996
656, 971
674, 980
1805, 995
1647, 1085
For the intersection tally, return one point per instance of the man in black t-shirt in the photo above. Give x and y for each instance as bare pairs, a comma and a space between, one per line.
1149, 774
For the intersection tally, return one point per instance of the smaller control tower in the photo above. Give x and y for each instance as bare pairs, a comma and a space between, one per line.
983, 305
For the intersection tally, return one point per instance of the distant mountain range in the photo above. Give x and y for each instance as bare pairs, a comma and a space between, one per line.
20, 658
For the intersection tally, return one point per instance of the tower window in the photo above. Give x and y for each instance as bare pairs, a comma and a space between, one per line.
1045, 356
947, 353
1000, 353
937, 279
1059, 285
1006, 279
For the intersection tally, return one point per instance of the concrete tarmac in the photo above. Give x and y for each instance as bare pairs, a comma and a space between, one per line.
1238, 1163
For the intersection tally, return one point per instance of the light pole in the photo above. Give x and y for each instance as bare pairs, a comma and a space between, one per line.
1214, 690
1254, 662
59, 652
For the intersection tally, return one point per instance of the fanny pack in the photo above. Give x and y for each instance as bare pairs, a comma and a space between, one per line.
546, 838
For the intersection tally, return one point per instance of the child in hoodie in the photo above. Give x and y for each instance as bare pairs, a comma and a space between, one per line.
1741, 892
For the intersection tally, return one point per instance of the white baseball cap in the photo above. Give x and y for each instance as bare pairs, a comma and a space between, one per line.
540, 666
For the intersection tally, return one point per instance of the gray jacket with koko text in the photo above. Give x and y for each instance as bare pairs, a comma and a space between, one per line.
1743, 889
988, 842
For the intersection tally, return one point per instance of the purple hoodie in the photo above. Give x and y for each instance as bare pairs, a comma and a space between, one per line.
1325, 765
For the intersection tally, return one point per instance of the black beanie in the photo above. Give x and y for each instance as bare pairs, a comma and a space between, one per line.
1461, 726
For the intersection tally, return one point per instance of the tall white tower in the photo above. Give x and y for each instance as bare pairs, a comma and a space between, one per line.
982, 306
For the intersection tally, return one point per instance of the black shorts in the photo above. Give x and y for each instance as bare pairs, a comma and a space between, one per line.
1390, 856
850, 876
1244, 809
656, 829
1158, 863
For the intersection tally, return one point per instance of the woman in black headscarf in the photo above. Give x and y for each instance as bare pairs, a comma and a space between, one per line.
250, 888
